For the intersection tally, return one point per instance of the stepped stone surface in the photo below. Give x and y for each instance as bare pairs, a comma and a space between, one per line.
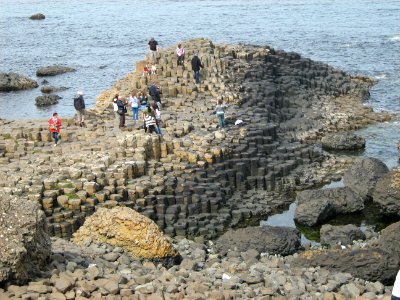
125, 228
25, 244
195, 181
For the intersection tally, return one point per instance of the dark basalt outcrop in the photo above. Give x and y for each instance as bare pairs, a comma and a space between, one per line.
15, 82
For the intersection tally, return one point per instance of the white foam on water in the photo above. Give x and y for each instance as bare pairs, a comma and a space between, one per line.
380, 76
395, 38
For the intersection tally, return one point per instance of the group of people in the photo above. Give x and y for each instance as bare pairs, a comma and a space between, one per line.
140, 104
180, 57
150, 112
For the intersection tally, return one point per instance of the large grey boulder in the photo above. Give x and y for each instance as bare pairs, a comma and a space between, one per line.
269, 239
342, 141
390, 239
25, 244
343, 235
15, 82
47, 100
387, 193
48, 89
368, 264
363, 175
53, 70
316, 206
38, 16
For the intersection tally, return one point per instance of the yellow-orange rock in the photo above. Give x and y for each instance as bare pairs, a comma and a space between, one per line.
126, 228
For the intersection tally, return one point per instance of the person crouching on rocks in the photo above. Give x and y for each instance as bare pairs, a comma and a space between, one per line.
149, 121
54, 127
79, 105
220, 112
121, 104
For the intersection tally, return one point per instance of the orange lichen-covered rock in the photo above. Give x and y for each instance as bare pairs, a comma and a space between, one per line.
126, 228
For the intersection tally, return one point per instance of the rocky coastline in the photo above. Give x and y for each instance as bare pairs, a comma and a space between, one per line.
195, 183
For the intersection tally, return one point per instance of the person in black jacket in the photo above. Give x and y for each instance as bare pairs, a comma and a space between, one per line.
79, 105
196, 65
121, 104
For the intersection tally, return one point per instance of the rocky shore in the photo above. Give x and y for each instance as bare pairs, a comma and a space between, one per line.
195, 182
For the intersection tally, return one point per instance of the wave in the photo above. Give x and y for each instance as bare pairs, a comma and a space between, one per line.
395, 38
380, 76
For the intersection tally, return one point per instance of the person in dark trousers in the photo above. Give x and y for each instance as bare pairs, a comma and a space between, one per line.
79, 105
153, 48
196, 65
121, 104
54, 127
154, 92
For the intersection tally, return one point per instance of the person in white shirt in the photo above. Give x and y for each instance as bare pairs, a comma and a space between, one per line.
134, 102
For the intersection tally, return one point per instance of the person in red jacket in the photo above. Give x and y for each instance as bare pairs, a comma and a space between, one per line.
54, 126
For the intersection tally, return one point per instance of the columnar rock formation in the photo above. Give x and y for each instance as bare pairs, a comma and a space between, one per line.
195, 180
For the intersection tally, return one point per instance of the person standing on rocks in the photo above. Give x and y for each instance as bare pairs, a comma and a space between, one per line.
157, 115
79, 105
180, 54
150, 124
121, 104
54, 127
134, 102
220, 112
144, 101
153, 48
196, 65
154, 92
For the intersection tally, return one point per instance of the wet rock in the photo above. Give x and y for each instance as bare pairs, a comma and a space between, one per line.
342, 141
53, 70
390, 239
125, 228
15, 82
387, 193
363, 175
47, 100
368, 264
38, 16
25, 244
52, 89
342, 235
269, 239
317, 206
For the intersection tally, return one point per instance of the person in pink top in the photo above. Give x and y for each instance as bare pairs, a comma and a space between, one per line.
54, 127
180, 54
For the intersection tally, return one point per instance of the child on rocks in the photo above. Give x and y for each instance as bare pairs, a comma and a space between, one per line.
220, 112
54, 127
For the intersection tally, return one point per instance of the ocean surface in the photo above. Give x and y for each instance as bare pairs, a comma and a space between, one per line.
104, 39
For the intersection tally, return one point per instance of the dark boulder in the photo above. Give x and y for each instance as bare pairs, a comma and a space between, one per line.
15, 82
25, 244
317, 206
268, 239
390, 239
38, 16
53, 70
342, 141
363, 175
387, 193
52, 89
368, 264
343, 235
47, 100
